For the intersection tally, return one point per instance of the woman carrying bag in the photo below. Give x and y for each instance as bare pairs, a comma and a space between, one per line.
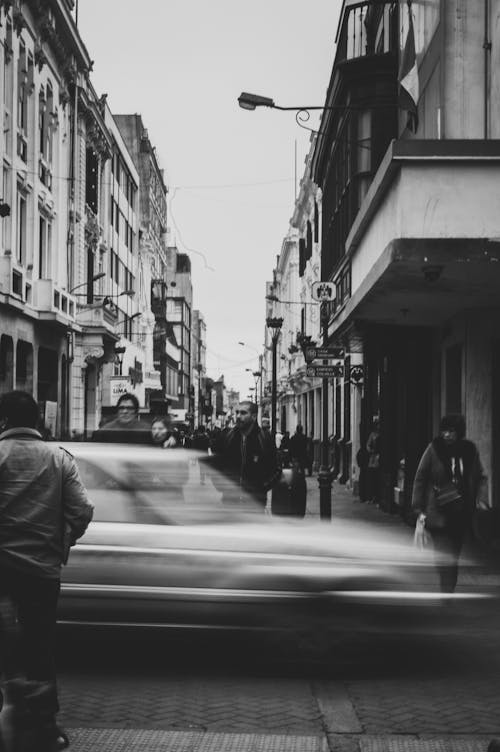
444, 494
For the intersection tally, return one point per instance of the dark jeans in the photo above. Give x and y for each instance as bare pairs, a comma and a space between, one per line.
28, 643
373, 484
448, 545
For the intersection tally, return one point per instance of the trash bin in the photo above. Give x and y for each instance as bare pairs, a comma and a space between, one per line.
288, 497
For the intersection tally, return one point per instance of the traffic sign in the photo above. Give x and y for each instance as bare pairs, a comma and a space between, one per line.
324, 353
323, 292
325, 372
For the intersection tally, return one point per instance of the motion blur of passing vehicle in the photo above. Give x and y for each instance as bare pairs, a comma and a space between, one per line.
173, 543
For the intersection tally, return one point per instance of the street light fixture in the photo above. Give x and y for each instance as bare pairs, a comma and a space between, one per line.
251, 101
109, 298
274, 323
128, 318
85, 284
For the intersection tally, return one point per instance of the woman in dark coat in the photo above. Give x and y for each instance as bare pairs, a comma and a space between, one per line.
450, 463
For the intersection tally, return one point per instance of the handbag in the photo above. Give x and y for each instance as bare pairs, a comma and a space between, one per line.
446, 494
434, 517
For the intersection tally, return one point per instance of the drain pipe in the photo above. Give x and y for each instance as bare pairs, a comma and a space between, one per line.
487, 68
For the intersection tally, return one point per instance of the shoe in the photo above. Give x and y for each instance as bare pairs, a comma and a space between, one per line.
61, 740
494, 746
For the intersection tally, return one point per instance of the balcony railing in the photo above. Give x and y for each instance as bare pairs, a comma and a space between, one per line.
49, 298
368, 29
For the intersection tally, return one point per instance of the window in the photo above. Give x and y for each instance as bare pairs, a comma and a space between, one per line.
8, 74
42, 122
44, 248
21, 228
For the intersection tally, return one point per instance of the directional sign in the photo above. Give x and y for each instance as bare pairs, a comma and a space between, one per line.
324, 353
325, 372
323, 291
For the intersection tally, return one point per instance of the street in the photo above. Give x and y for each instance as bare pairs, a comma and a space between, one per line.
348, 690
447, 687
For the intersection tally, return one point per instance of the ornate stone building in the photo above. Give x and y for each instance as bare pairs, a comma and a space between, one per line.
51, 117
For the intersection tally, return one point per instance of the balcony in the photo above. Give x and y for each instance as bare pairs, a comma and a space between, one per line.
97, 318
12, 278
367, 29
52, 302
416, 257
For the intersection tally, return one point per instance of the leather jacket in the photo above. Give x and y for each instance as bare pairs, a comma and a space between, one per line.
44, 507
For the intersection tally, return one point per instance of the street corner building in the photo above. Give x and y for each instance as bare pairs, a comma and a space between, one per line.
398, 208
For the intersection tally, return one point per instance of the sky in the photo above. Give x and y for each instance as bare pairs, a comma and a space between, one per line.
230, 173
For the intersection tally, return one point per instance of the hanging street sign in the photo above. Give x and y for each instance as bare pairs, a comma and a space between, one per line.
323, 292
325, 372
356, 375
324, 353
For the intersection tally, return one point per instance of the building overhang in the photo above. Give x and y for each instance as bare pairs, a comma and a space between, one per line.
425, 245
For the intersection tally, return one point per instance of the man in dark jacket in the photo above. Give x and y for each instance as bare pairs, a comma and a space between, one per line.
249, 457
44, 509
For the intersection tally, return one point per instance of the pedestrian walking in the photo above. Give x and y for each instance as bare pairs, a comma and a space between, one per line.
248, 457
162, 433
373, 464
44, 509
444, 494
289, 497
127, 427
298, 448
310, 454
265, 424
362, 461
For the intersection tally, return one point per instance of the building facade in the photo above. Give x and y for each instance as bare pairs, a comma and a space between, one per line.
180, 317
52, 123
160, 375
416, 276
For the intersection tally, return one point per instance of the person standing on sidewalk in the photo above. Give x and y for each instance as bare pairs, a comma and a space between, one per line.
444, 494
298, 448
249, 455
44, 509
373, 464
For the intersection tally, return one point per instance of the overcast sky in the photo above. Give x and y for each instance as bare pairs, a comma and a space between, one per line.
182, 64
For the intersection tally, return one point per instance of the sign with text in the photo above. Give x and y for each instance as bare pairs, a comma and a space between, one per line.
325, 372
324, 353
323, 292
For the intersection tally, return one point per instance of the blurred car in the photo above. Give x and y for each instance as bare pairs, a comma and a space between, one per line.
174, 543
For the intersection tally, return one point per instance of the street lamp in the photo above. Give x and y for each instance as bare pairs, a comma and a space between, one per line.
85, 284
127, 319
256, 375
274, 324
251, 101
106, 299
